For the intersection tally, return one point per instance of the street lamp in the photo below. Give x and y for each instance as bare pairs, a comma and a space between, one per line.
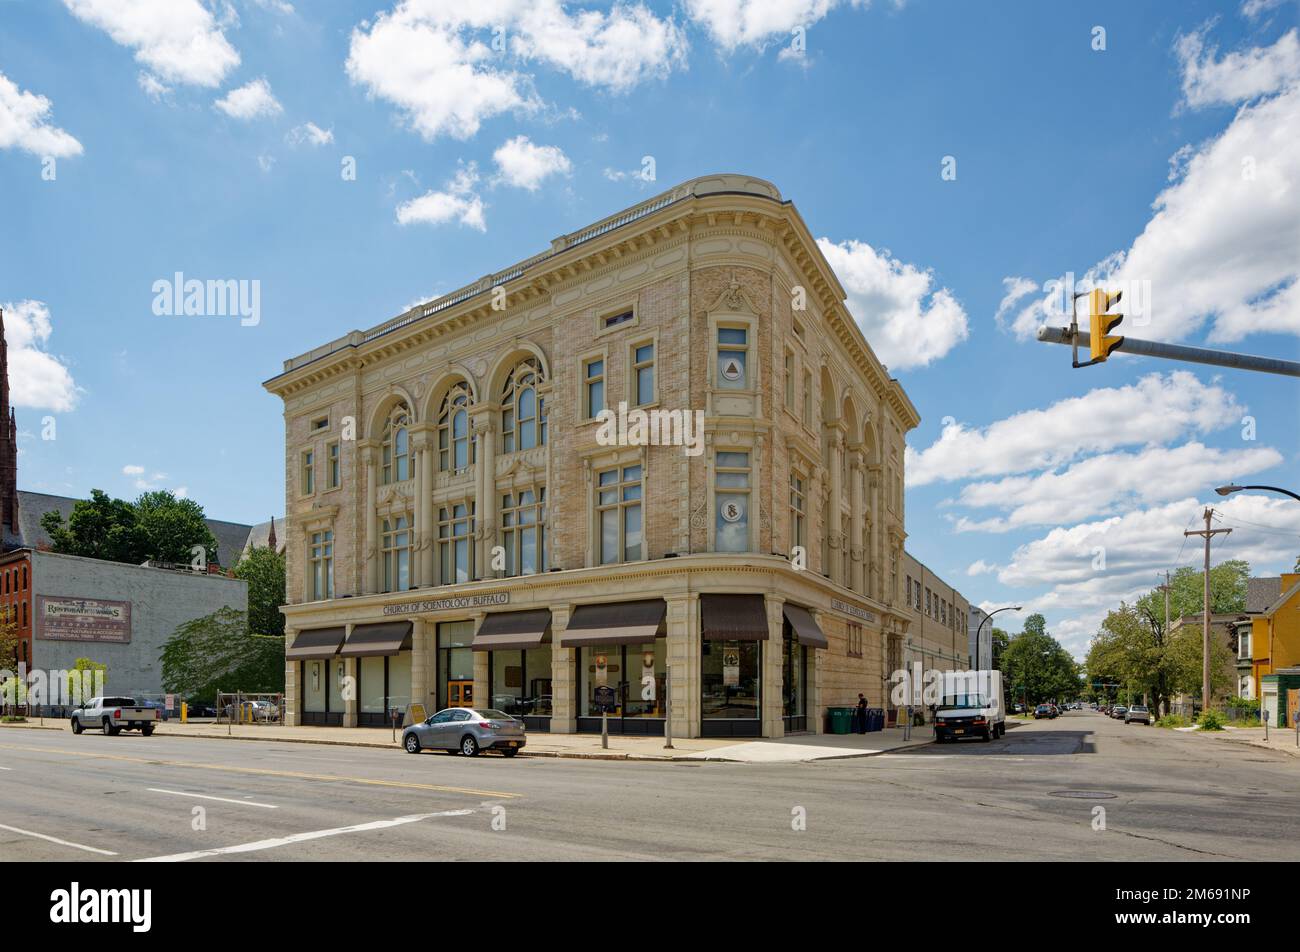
1226, 490
980, 629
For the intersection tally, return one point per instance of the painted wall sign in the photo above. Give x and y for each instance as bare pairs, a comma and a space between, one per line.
854, 610
448, 604
62, 618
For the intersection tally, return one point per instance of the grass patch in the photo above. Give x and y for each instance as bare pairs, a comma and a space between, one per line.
1173, 720
1210, 721
13, 719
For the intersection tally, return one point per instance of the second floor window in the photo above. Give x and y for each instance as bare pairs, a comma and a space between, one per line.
334, 467
522, 533
397, 448
733, 358
395, 552
643, 374
593, 399
455, 449
797, 512
731, 500
456, 543
308, 473
618, 515
789, 381
322, 565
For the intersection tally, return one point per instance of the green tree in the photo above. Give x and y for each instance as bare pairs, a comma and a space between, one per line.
157, 526
1036, 667
171, 527
263, 569
97, 528
1130, 650
79, 683
219, 652
1000, 640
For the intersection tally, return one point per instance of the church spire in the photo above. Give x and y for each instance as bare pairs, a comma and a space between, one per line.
8, 443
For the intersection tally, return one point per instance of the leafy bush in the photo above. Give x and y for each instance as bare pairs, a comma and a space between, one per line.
1210, 721
1173, 720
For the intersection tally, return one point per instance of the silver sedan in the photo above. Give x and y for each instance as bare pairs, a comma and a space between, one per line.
468, 731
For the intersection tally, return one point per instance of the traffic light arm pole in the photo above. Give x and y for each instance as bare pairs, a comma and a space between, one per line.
1195, 355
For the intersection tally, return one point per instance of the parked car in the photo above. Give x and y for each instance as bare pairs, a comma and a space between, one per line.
1043, 710
1138, 713
467, 731
158, 706
1020, 709
199, 709
1118, 712
263, 711
112, 715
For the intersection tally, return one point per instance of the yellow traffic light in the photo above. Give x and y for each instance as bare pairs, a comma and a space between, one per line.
1100, 323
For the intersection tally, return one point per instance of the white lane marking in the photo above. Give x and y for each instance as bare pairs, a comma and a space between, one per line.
6, 768
52, 839
300, 837
203, 796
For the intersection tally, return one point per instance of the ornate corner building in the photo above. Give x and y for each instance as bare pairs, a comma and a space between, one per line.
463, 530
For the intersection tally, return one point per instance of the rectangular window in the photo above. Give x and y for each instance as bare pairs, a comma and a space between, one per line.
522, 531
456, 543
308, 473
321, 423
733, 358
333, 467
396, 545
731, 500
616, 319
593, 400
643, 374
789, 381
807, 413
322, 565
618, 515
797, 510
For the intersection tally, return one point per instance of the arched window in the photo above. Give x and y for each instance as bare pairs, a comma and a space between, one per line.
523, 412
397, 446
455, 448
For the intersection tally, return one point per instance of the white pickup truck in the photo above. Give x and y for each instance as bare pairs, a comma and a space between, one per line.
114, 714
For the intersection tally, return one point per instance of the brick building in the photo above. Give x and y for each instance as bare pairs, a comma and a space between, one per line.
461, 532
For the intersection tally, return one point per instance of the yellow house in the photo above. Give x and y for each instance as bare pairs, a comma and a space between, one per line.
1275, 635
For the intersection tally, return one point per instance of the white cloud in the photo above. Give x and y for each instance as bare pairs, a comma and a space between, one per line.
266, 162
309, 133
37, 378
178, 40
980, 567
152, 86
907, 320
525, 165
25, 124
1105, 483
448, 70
1238, 76
1016, 289
131, 469
459, 201
275, 6
735, 23
1266, 532
253, 100
1156, 409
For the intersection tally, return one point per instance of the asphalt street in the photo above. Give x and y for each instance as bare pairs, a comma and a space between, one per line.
1030, 796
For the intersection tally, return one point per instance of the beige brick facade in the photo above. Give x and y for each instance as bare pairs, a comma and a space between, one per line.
717, 254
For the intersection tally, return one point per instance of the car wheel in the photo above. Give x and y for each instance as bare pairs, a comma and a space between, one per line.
469, 746
987, 735
147, 730
412, 744
76, 726
509, 751
107, 727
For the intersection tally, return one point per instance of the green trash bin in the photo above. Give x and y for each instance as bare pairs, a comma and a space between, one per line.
841, 720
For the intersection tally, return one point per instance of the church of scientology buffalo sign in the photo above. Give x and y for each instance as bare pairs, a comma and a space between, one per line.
457, 603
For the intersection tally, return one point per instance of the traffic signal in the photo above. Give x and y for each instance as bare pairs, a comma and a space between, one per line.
1100, 323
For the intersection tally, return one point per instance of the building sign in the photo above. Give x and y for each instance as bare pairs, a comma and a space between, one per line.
853, 610
448, 604
60, 618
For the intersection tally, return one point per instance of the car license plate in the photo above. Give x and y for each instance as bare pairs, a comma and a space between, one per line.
960, 730
514, 743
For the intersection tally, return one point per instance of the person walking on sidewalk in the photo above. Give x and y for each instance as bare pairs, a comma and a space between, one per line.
860, 714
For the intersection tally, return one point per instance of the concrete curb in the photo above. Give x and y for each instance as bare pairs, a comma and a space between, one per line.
555, 754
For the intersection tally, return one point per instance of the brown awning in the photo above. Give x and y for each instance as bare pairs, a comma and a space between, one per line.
313, 643
514, 631
616, 623
805, 627
383, 638
733, 617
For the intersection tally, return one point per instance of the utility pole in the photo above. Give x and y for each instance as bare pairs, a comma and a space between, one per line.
1208, 534
1165, 638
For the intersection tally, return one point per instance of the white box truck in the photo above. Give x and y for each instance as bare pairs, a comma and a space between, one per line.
972, 706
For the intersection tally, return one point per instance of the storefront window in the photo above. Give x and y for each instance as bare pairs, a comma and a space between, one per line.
399, 681
729, 679
635, 672
313, 688
521, 681
338, 670
370, 692
455, 664
794, 680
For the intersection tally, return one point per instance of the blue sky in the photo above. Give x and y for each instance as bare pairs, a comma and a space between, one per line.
210, 139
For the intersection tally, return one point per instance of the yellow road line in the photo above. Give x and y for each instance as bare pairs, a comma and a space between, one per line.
267, 772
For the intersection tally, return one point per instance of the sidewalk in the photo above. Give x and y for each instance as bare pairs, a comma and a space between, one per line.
794, 749
1279, 738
